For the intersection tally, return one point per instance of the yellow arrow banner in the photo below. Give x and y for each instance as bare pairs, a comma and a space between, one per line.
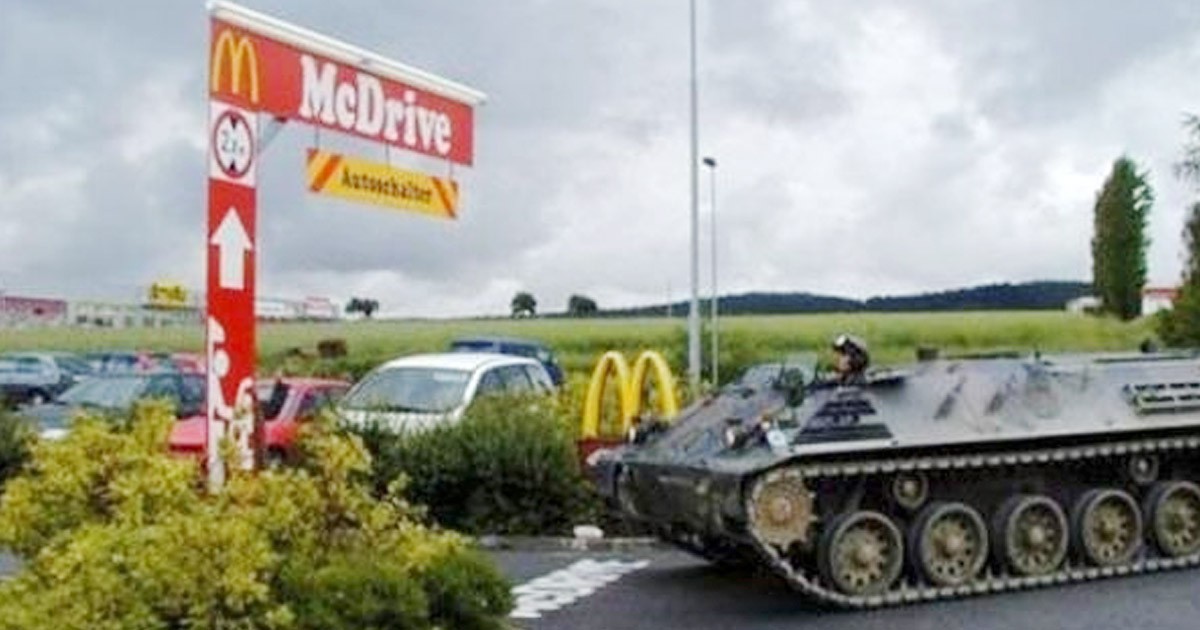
359, 180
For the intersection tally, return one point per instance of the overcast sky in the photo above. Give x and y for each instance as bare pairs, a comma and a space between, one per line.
864, 147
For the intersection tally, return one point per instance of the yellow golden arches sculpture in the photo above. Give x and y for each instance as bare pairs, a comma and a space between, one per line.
630, 384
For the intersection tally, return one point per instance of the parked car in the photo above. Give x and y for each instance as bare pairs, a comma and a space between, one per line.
423, 390
528, 348
189, 362
116, 394
121, 361
36, 377
284, 403
126, 361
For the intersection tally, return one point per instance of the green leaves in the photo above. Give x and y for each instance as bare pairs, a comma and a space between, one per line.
1180, 326
509, 467
117, 534
15, 437
1119, 243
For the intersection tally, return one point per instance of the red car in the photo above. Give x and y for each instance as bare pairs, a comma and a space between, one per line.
188, 362
284, 403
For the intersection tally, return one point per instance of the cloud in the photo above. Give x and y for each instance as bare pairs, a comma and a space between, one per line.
863, 147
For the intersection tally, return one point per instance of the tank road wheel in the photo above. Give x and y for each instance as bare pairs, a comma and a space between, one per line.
861, 553
1107, 527
781, 511
1173, 508
950, 543
1031, 534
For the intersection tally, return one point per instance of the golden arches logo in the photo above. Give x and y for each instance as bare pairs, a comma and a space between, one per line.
237, 53
630, 384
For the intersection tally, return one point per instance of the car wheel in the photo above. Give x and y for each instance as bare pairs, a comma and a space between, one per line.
38, 398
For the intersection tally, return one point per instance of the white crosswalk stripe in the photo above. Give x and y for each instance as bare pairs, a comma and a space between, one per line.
564, 587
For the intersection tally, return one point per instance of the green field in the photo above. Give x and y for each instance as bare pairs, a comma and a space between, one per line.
892, 338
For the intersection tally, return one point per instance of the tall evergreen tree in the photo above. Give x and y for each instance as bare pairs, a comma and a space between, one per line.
1119, 242
1180, 326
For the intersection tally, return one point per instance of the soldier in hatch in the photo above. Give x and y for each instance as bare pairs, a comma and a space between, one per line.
852, 360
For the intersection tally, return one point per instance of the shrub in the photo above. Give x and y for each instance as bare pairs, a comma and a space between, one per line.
353, 592
15, 435
117, 534
509, 467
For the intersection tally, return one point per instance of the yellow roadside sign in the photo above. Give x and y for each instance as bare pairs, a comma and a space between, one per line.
363, 181
165, 294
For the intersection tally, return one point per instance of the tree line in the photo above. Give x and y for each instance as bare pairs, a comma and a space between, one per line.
1180, 326
1040, 295
524, 304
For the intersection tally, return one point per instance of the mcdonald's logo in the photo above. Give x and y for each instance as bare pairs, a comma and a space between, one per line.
631, 386
235, 54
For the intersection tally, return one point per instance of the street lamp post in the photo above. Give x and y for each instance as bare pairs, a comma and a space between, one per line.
694, 310
715, 300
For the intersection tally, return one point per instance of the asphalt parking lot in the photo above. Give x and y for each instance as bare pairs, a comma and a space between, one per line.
657, 589
654, 589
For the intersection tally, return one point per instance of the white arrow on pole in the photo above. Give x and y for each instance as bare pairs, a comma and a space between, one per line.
233, 242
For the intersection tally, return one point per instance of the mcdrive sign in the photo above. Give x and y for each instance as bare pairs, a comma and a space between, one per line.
290, 82
260, 65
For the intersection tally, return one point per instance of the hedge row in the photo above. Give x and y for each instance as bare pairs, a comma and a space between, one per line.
116, 534
508, 467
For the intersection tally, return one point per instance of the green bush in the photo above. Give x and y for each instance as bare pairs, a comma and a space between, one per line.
117, 534
353, 592
508, 467
15, 436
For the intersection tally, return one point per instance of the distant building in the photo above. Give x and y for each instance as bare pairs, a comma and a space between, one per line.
321, 309
276, 310
24, 312
103, 314
1084, 304
286, 310
1155, 299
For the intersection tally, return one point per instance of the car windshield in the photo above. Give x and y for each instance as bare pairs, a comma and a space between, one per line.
517, 349
109, 393
271, 397
17, 364
112, 362
409, 389
73, 365
472, 346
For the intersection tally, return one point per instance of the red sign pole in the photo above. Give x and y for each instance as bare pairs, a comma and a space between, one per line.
232, 200
258, 64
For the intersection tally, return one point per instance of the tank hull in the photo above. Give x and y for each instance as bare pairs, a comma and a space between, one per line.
1033, 474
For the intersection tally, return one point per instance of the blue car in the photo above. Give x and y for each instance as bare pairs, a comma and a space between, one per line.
517, 347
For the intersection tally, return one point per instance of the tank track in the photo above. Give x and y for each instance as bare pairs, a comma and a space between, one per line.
907, 590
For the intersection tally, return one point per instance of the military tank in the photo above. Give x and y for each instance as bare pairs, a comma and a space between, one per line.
945, 478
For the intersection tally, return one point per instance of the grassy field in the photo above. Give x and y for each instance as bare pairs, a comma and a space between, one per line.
892, 338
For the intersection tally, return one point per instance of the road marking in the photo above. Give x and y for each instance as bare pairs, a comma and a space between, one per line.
564, 587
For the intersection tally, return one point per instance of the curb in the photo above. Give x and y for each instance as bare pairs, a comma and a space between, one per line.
565, 543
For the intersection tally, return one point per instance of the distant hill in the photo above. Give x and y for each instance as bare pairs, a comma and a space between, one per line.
1041, 295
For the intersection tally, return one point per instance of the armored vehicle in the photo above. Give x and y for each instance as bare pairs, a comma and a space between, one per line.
946, 478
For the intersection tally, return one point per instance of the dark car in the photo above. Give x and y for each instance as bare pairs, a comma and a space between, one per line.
528, 348
36, 377
116, 394
126, 361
